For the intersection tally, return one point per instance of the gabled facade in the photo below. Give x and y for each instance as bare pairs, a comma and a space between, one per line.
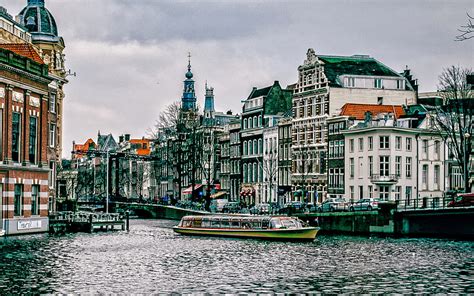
259, 109
325, 84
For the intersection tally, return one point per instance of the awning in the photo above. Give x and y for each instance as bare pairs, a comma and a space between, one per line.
189, 190
218, 194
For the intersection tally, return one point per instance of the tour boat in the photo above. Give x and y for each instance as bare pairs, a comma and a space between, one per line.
260, 227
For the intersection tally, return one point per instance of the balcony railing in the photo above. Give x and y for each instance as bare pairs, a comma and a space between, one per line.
384, 179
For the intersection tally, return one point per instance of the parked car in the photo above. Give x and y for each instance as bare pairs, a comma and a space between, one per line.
231, 207
217, 205
333, 204
462, 200
365, 204
260, 209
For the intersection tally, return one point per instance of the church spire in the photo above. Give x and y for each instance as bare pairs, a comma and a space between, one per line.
188, 101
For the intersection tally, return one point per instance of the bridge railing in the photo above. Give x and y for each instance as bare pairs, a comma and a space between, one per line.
423, 203
86, 217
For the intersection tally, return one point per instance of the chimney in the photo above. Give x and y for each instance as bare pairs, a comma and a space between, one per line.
121, 139
127, 137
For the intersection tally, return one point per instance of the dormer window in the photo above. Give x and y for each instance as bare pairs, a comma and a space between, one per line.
378, 83
400, 84
351, 82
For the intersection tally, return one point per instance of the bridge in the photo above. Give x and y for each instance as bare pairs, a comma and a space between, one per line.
155, 211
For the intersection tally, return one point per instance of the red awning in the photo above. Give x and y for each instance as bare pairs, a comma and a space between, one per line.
189, 190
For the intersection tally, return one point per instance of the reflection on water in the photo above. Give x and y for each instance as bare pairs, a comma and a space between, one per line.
151, 259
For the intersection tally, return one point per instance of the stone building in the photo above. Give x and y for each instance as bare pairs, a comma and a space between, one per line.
325, 84
351, 114
285, 194
235, 157
394, 159
259, 109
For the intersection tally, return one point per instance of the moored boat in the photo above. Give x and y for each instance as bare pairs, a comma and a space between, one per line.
260, 227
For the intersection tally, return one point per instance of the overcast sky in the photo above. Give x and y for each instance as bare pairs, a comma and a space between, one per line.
131, 55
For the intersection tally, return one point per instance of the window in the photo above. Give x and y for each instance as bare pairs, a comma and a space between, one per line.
16, 138
398, 143
371, 143
384, 165
361, 144
436, 176
398, 192
52, 174
245, 148
384, 142
32, 141
371, 165
384, 192
361, 192
378, 83
398, 166
351, 192
35, 201
425, 148
18, 200
371, 191
255, 121
408, 144
360, 162
408, 191
260, 120
437, 150
400, 84
408, 167
424, 176
351, 145
52, 135
245, 123
351, 82
379, 100
352, 167
331, 148
52, 103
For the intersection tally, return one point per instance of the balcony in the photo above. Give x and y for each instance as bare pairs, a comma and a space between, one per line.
384, 179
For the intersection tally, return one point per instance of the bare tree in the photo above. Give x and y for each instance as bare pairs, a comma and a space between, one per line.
167, 120
270, 168
455, 118
466, 31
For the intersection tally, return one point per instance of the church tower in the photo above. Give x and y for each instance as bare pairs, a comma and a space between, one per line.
209, 103
188, 101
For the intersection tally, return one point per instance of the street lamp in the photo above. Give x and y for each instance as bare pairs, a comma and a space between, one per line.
466, 161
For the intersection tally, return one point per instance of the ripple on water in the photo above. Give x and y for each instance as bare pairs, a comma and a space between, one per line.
152, 259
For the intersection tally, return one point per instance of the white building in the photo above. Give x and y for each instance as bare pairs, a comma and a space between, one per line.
325, 84
270, 161
387, 159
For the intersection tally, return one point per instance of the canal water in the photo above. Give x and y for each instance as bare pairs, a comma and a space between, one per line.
151, 259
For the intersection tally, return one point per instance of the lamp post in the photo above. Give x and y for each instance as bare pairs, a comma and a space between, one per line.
107, 185
466, 162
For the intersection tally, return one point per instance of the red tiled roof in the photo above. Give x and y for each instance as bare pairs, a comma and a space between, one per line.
358, 110
23, 49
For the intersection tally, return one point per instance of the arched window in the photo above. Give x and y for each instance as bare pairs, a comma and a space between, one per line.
255, 121
245, 123
255, 148
260, 146
260, 120
250, 148
250, 122
245, 147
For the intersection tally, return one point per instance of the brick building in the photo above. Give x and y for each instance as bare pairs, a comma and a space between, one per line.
24, 92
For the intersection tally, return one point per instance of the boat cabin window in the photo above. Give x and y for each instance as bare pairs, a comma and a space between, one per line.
205, 223
197, 223
235, 223
225, 223
187, 223
215, 223
265, 223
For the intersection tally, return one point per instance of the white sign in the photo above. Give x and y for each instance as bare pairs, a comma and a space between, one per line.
29, 224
